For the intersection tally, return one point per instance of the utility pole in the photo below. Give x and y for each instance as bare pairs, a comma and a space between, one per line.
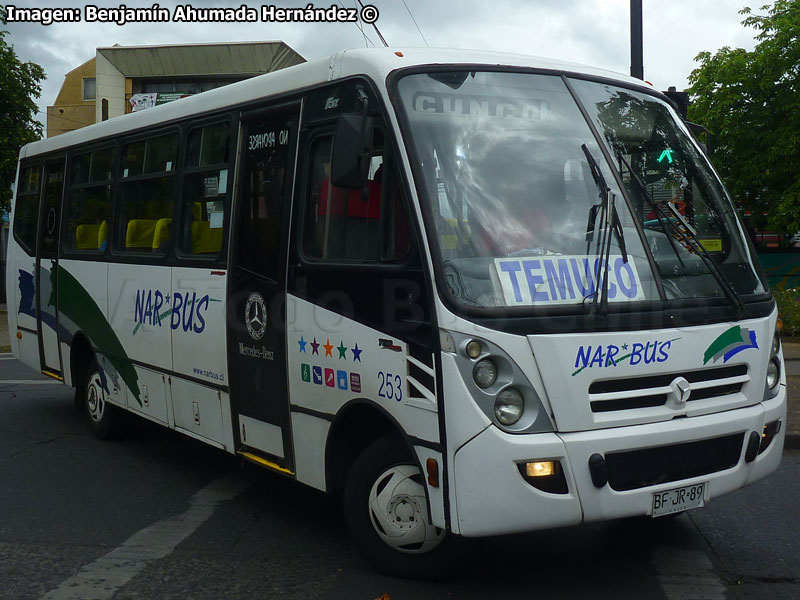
637, 61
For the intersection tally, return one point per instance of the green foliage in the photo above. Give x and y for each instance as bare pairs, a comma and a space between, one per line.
19, 87
789, 309
750, 101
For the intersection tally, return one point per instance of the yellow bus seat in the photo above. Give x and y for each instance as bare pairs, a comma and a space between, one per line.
204, 238
140, 233
102, 235
163, 233
86, 236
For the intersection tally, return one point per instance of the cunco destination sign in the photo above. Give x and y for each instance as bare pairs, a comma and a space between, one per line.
557, 279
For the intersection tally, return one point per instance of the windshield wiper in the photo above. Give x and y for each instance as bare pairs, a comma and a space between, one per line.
688, 236
612, 226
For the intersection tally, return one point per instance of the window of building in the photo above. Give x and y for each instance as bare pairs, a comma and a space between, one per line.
26, 211
89, 88
146, 195
364, 225
184, 86
88, 210
205, 190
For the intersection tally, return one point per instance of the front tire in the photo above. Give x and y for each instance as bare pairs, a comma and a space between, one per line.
103, 417
386, 511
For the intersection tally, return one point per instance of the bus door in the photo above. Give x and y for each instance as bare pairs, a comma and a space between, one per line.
47, 265
257, 283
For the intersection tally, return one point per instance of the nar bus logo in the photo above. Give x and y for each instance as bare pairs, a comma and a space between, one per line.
730, 343
180, 310
611, 355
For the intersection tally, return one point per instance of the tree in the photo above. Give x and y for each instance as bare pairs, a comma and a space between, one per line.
19, 88
750, 101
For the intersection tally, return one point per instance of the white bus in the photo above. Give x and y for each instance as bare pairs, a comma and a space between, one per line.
476, 294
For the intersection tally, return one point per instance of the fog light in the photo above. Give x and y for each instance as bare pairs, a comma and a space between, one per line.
770, 431
485, 373
473, 349
773, 374
547, 476
540, 469
508, 406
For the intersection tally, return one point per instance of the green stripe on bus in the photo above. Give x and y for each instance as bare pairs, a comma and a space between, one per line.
79, 306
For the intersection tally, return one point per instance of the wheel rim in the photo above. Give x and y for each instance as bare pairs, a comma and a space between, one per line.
95, 399
398, 511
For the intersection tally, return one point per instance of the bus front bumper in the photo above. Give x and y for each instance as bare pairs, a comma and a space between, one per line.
492, 497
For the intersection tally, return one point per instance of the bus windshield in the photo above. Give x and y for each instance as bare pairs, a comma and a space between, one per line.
521, 218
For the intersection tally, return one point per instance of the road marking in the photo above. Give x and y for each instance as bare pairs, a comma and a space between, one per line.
30, 382
686, 574
106, 575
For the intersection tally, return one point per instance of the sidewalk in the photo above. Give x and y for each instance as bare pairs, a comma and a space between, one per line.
5, 341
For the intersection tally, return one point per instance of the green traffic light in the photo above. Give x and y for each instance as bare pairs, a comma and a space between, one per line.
666, 154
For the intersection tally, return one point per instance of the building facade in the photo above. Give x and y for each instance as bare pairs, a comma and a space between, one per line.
123, 79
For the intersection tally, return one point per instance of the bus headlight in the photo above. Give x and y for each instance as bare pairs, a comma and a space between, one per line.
508, 406
773, 373
776, 343
485, 373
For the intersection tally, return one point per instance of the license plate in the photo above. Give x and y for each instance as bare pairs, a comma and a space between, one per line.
682, 498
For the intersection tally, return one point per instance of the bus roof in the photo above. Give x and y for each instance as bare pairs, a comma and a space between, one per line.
376, 63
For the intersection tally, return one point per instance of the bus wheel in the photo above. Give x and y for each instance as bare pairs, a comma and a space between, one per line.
387, 514
101, 415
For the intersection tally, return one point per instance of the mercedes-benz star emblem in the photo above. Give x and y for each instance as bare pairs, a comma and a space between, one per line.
255, 316
682, 389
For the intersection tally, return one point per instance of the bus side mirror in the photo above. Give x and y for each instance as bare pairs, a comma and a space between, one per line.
351, 149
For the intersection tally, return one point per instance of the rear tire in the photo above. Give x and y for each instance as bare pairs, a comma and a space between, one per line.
387, 514
104, 418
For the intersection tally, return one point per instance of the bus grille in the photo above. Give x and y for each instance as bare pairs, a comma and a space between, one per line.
653, 466
654, 390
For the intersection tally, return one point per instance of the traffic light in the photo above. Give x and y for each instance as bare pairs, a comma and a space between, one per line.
680, 100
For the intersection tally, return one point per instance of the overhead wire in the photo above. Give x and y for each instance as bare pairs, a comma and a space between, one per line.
410, 14
375, 26
82, 123
360, 27
360, 24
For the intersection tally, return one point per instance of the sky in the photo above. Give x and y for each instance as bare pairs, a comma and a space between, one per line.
592, 32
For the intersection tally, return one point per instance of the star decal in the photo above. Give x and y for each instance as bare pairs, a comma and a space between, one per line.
302, 343
342, 350
315, 347
356, 353
328, 347
624, 346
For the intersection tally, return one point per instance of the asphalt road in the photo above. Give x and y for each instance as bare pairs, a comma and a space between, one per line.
158, 515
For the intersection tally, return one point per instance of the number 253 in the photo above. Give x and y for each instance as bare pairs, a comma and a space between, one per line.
390, 386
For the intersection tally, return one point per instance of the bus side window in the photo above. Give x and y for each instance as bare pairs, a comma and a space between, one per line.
342, 224
205, 190
88, 209
27, 207
146, 195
